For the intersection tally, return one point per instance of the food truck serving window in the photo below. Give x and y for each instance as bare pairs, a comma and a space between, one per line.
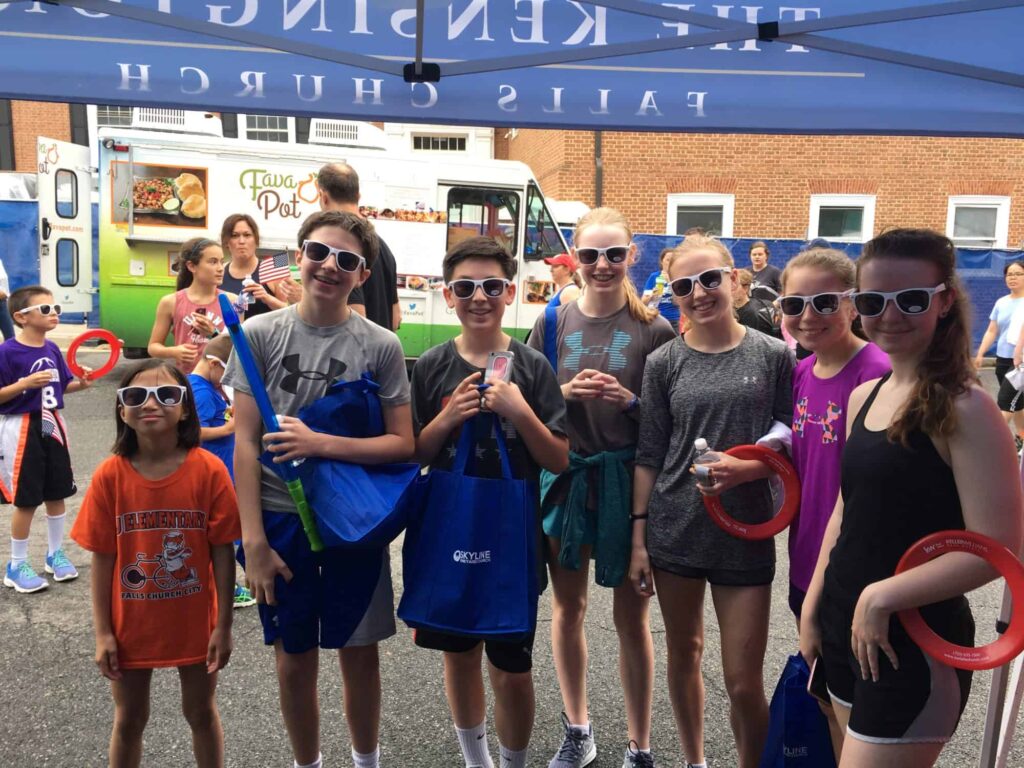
476, 211
543, 240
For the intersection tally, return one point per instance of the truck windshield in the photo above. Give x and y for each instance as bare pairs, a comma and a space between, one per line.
475, 211
543, 239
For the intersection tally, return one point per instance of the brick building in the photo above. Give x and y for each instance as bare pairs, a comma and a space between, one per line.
844, 188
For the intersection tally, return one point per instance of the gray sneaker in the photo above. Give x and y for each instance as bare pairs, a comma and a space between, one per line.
636, 759
578, 748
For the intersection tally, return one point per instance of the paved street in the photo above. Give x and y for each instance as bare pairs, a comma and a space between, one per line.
58, 710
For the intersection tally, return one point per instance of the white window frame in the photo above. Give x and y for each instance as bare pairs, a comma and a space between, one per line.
867, 227
726, 202
243, 128
999, 202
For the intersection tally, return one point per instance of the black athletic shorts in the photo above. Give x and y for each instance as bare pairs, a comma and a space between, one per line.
921, 701
513, 656
720, 577
44, 473
1003, 366
1010, 400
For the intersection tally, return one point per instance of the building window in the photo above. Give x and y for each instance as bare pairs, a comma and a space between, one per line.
842, 218
712, 213
118, 117
440, 143
978, 221
269, 128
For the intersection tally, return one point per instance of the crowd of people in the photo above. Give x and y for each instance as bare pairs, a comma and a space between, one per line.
608, 400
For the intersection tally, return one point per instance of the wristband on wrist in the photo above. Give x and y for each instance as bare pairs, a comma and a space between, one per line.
633, 404
634, 518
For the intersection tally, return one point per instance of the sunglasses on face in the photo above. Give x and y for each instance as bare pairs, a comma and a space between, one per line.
44, 309
613, 254
710, 279
909, 301
493, 287
320, 252
165, 394
822, 303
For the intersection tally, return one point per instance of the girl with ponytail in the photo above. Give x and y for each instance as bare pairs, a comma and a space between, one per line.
598, 345
926, 451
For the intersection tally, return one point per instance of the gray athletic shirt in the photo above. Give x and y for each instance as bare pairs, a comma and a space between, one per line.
298, 362
728, 398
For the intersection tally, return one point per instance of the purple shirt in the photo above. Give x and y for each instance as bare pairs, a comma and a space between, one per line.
18, 360
819, 434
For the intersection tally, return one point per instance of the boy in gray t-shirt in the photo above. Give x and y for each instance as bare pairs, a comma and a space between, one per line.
330, 599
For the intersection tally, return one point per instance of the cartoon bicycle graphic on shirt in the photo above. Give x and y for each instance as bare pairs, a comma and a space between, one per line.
168, 570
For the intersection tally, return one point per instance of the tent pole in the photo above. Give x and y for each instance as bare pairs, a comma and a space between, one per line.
420, 13
996, 699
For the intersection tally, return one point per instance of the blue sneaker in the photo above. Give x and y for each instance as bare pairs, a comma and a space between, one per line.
243, 597
59, 565
23, 578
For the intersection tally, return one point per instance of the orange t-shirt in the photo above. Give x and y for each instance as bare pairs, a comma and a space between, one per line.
163, 598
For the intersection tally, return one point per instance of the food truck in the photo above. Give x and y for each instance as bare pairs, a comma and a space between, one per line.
157, 190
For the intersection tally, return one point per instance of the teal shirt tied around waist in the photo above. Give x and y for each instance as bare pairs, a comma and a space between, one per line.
614, 532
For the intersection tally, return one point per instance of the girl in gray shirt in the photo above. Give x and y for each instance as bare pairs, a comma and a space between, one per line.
726, 384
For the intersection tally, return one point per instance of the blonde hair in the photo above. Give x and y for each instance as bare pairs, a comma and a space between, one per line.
612, 218
700, 243
746, 277
836, 263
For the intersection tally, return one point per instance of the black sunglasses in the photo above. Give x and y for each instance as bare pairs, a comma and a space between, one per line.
909, 301
822, 303
320, 252
709, 280
493, 287
615, 254
137, 395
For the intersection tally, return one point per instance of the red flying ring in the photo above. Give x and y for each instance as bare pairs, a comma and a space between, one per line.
758, 531
1011, 642
102, 335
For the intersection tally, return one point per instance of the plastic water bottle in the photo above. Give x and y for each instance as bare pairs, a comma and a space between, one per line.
247, 299
703, 455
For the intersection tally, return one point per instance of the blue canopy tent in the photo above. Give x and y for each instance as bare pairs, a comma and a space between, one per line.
836, 66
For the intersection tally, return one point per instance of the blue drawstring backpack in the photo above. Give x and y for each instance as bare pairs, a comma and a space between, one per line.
355, 505
797, 730
469, 559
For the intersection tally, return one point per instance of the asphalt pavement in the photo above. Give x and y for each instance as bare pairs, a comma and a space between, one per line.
57, 709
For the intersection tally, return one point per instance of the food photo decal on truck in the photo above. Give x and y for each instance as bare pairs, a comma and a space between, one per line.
159, 195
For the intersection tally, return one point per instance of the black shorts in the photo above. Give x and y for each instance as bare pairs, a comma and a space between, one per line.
1010, 400
513, 656
1003, 366
921, 701
720, 577
796, 600
44, 472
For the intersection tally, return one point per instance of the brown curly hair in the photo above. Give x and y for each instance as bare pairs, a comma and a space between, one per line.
945, 371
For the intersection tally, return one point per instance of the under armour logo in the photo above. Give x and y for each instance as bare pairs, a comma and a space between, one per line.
290, 383
750, 379
616, 359
828, 423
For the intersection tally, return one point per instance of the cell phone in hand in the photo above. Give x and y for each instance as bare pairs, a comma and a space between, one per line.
816, 684
499, 366
200, 311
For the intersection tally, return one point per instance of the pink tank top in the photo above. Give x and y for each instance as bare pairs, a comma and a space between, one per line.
182, 328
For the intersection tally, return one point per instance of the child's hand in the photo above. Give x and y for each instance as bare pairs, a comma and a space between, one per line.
84, 381
728, 472
219, 650
228, 427
262, 565
294, 441
257, 290
289, 290
584, 385
202, 323
640, 574
505, 399
35, 380
613, 392
464, 402
106, 657
185, 354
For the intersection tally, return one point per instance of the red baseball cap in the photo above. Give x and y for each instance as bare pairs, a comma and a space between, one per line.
564, 259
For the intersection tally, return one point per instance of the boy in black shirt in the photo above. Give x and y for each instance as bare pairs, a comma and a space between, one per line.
478, 275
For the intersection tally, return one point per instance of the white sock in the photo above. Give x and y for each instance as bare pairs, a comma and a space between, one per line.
473, 742
318, 763
585, 727
511, 758
19, 551
697, 765
369, 760
54, 532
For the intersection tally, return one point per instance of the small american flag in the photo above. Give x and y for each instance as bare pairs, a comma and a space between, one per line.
51, 428
274, 268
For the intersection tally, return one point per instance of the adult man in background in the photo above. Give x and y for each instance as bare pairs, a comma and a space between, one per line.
765, 275
377, 298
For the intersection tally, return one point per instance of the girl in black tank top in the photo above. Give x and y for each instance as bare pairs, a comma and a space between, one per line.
927, 451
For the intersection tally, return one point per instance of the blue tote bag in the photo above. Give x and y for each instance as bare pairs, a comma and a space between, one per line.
469, 559
355, 505
797, 730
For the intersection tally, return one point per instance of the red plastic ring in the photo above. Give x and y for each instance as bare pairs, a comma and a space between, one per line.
1011, 643
102, 335
758, 531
